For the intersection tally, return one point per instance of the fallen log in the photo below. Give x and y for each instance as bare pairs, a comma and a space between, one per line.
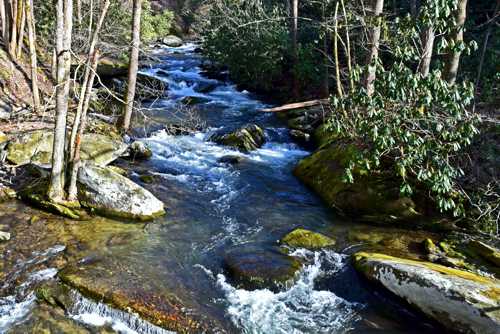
297, 105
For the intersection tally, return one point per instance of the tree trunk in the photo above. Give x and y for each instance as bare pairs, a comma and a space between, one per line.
13, 28
428, 45
64, 10
348, 47
134, 64
336, 52
487, 35
326, 58
3, 18
373, 43
295, 50
86, 77
453, 57
72, 190
33, 60
20, 38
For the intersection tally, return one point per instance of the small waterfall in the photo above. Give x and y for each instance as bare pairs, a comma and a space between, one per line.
97, 314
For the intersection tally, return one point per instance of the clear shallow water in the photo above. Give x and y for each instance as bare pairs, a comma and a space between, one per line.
213, 208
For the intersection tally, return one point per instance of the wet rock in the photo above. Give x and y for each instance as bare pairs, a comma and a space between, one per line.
172, 41
110, 194
4, 236
230, 159
194, 100
7, 193
150, 87
300, 136
372, 196
251, 267
301, 238
36, 147
138, 150
5, 110
111, 67
118, 170
205, 87
489, 253
245, 139
55, 294
459, 300
302, 123
148, 178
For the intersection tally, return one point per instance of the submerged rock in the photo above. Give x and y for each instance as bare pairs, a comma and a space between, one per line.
230, 159
459, 300
301, 238
110, 194
36, 147
245, 139
256, 268
172, 41
372, 197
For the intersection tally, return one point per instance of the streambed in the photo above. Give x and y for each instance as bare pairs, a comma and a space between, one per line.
175, 263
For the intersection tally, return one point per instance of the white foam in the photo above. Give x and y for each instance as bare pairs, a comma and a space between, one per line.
300, 309
12, 311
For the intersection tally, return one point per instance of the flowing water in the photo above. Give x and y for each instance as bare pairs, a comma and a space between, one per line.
214, 207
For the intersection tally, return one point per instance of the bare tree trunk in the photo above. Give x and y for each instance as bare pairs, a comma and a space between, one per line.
487, 35
3, 17
20, 38
72, 190
13, 28
134, 64
295, 50
326, 58
33, 60
86, 77
374, 40
453, 57
63, 46
428, 46
336, 52
79, 11
348, 47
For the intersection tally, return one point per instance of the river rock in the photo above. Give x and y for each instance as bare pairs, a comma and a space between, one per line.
172, 41
251, 267
459, 300
138, 150
36, 147
245, 139
230, 159
205, 87
301, 238
372, 196
111, 67
4, 236
489, 253
110, 194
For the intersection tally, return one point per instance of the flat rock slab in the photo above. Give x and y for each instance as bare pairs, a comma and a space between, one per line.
111, 194
36, 147
459, 300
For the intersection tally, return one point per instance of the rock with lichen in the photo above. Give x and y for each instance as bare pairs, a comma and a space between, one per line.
459, 300
247, 138
301, 238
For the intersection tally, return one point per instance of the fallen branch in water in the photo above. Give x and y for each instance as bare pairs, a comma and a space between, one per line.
297, 105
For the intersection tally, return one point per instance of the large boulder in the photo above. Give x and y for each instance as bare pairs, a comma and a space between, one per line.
245, 139
36, 147
111, 67
372, 196
252, 267
172, 41
108, 193
459, 300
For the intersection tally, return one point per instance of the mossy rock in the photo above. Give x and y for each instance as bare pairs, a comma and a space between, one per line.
252, 267
247, 138
373, 197
7, 193
36, 147
111, 67
55, 294
323, 136
36, 195
459, 300
489, 253
301, 238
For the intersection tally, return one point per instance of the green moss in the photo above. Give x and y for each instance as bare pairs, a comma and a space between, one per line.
489, 253
301, 238
372, 197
